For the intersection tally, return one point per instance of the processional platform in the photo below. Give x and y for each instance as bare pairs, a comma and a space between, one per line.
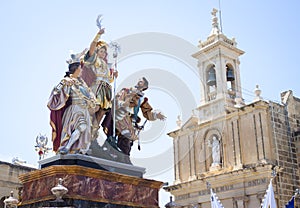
91, 182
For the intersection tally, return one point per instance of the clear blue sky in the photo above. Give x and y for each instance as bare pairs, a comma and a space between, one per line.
36, 37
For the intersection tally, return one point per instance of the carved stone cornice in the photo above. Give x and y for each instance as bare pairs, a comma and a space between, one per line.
215, 45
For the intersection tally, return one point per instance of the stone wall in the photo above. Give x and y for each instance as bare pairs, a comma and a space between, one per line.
283, 151
9, 179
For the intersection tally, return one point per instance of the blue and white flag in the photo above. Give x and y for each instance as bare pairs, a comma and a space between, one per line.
215, 202
291, 203
269, 200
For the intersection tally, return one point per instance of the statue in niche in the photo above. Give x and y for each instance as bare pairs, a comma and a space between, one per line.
214, 143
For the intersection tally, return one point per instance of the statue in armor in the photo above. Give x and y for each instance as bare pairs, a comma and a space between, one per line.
98, 76
71, 104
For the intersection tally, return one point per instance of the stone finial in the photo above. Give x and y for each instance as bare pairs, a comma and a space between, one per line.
171, 203
179, 121
257, 93
59, 191
11, 202
215, 24
239, 102
199, 44
17, 161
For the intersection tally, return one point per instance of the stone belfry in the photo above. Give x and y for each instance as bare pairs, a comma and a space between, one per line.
233, 146
218, 62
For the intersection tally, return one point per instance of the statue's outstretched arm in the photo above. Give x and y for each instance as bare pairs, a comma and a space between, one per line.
149, 113
95, 40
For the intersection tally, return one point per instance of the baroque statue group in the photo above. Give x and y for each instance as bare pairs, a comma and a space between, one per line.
83, 103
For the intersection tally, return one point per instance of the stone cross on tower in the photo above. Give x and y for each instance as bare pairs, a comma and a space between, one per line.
215, 24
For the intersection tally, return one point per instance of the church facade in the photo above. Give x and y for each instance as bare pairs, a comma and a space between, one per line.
231, 146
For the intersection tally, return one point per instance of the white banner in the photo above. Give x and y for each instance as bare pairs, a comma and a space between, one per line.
269, 200
215, 202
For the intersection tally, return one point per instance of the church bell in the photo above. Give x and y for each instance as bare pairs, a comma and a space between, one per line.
229, 75
211, 81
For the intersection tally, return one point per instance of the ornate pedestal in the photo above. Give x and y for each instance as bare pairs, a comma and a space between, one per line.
97, 186
93, 162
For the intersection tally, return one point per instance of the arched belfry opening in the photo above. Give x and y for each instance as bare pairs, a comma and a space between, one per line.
211, 82
230, 78
229, 73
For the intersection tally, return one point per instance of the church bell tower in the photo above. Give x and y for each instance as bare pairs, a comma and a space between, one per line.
218, 63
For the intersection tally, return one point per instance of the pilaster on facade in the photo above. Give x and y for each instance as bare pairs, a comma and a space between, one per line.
260, 196
240, 201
